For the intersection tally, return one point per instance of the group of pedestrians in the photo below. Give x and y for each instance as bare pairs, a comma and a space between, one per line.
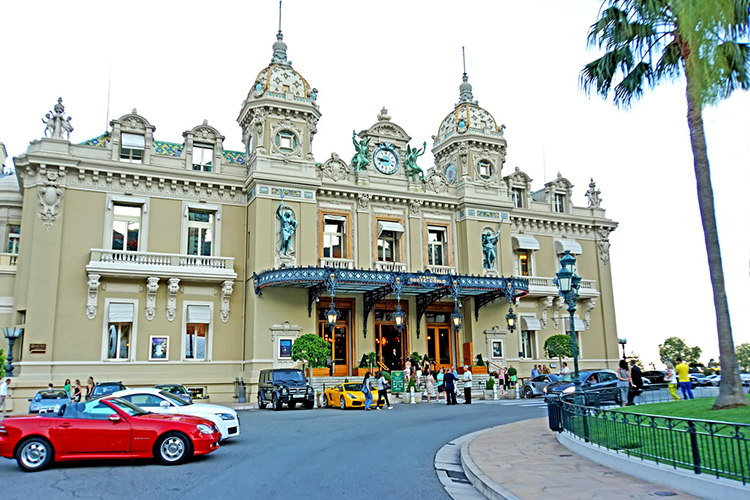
629, 382
678, 376
75, 390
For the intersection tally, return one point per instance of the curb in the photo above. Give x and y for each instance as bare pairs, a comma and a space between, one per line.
707, 487
481, 482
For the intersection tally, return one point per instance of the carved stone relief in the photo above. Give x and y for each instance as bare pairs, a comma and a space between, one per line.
604, 244
544, 304
334, 168
91, 303
172, 288
50, 196
152, 286
414, 206
588, 306
557, 304
363, 202
226, 294
437, 181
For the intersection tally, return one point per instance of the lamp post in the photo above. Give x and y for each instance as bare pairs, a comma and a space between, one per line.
622, 342
569, 282
11, 334
510, 319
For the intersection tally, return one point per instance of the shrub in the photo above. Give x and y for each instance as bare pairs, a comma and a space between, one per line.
480, 361
412, 383
312, 349
490, 384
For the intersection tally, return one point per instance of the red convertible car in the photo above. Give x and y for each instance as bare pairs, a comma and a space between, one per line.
101, 429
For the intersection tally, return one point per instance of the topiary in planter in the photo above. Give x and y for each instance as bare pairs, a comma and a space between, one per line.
480, 361
490, 384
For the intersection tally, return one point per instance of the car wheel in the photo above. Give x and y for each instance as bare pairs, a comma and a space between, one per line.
261, 403
291, 405
276, 403
342, 403
34, 454
173, 448
309, 405
528, 392
324, 403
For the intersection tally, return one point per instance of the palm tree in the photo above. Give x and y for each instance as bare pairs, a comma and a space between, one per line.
647, 42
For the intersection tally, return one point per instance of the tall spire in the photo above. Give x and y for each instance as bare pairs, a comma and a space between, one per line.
279, 47
465, 88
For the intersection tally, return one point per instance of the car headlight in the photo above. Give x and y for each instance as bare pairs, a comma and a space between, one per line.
34, 407
284, 390
351, 395
204, 429
309, 390
570, 390
544, 389
226, 416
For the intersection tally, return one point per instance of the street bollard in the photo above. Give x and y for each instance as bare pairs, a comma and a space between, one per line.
413, 400
494, 393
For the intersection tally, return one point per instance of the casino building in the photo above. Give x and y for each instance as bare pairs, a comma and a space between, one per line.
135, 259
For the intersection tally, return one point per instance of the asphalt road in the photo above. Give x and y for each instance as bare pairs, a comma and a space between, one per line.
317, 454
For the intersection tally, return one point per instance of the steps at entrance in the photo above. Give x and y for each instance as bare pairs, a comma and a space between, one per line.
321, 383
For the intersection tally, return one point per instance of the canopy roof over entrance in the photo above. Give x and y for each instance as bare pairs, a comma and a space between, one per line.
375, 285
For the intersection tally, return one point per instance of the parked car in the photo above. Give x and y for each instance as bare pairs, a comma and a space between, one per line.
106, 388
48, 400
699, 379
656, 377
176, 389
347, 396
601, 384
535, 386
108, 428
284, 386
159, 401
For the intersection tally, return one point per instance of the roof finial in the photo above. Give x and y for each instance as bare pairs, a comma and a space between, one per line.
279, 48
279, 16
463, 52
465, 88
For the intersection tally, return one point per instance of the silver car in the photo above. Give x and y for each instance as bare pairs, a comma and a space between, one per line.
535, 386
49, 400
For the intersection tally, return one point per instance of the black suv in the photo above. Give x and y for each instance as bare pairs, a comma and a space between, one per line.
105, 388
284, 386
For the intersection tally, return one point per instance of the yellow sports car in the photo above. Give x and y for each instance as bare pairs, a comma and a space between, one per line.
348, 396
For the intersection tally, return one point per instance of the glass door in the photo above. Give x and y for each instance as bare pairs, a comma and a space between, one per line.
338, 336
440, 346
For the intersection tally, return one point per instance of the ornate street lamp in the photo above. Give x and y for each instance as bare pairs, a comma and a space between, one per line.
456, 318
399, 316
332, 315
11, 334
622, 342
510, 318
569, 282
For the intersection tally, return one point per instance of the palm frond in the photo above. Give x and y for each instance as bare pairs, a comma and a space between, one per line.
602, 72
631, 86
669, 64
734, 61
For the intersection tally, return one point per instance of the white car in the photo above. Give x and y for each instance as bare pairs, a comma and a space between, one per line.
159, 401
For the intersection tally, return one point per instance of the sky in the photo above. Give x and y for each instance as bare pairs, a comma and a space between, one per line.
182, 62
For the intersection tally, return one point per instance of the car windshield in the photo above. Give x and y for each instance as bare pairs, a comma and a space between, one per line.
553, 378
292, 376
51, 395
566, 378
174, 399
174, 389
352, 387
128, 407
101, 390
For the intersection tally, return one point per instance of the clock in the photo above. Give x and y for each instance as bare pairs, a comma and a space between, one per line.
450, 173
385, 159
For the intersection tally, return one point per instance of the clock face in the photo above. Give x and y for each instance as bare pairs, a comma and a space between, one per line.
385, 159
450, 173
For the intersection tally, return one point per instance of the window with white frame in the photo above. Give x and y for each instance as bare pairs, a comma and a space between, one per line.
436, 245
197, 327
516, 195
559, 203
126, 226
389, 234
527, 343
120, 329
132, 147
524, 259
286, 141
334, 236
14, 238
484, 169
203, 157
200, 232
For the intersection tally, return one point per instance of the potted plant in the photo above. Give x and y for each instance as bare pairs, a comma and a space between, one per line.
488, 389
480, 367
366, 364
313, 350
412, 395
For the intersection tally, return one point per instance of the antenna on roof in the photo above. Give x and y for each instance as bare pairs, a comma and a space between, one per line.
463, 52
279, 16
109, 91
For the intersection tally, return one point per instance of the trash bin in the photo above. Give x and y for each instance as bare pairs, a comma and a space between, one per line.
243, 394
554, 412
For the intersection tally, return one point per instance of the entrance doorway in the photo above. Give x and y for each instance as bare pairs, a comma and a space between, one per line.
441, 339
391, 346
338, 336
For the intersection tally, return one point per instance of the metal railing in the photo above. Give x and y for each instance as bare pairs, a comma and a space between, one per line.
8, 259
721, 449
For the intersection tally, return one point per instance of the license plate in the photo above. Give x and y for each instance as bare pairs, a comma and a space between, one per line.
299, 395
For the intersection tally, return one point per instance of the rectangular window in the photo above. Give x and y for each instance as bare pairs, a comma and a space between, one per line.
559, 203
436, 245
132, 147
524, 262
387, 242
126, 227
119, 330
527, 344
14, 238
334, 236
516, 195
196, 332
202, 158
200, 232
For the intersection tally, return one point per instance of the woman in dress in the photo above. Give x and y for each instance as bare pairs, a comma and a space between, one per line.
545, 370
441, 385
623, 381
430, 383
367, 390
407, 372
501, 383
382, 391
506, 377
76, 395
90, 388
67, 387
671, 378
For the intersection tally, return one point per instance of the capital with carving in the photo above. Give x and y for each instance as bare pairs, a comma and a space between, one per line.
172, 288
557, 304
588, 306
91, 303
544, 304
152, 286
226, 294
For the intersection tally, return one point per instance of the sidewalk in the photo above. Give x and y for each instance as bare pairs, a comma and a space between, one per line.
524, 460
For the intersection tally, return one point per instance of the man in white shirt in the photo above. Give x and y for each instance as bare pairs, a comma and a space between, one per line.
467, 385
4, 394
565, 370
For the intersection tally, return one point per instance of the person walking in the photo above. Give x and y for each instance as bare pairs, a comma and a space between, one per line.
430, 384
564, 370
441, 384
506, 378
90, 388
367, 390
407, 372
4, 394
468, 378
534, 372
383, 386
501, 383
636, 382
450, 386
671, 379
623, 381
75, 396
683, 379
67, 387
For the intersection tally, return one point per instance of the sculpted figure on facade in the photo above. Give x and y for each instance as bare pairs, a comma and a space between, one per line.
361, 158
288, 227
50, 197
489, 241
410, 164
91, 304
56, 123
414, 207
593, 195
172, 288
226, 293
364, 201
604, 244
